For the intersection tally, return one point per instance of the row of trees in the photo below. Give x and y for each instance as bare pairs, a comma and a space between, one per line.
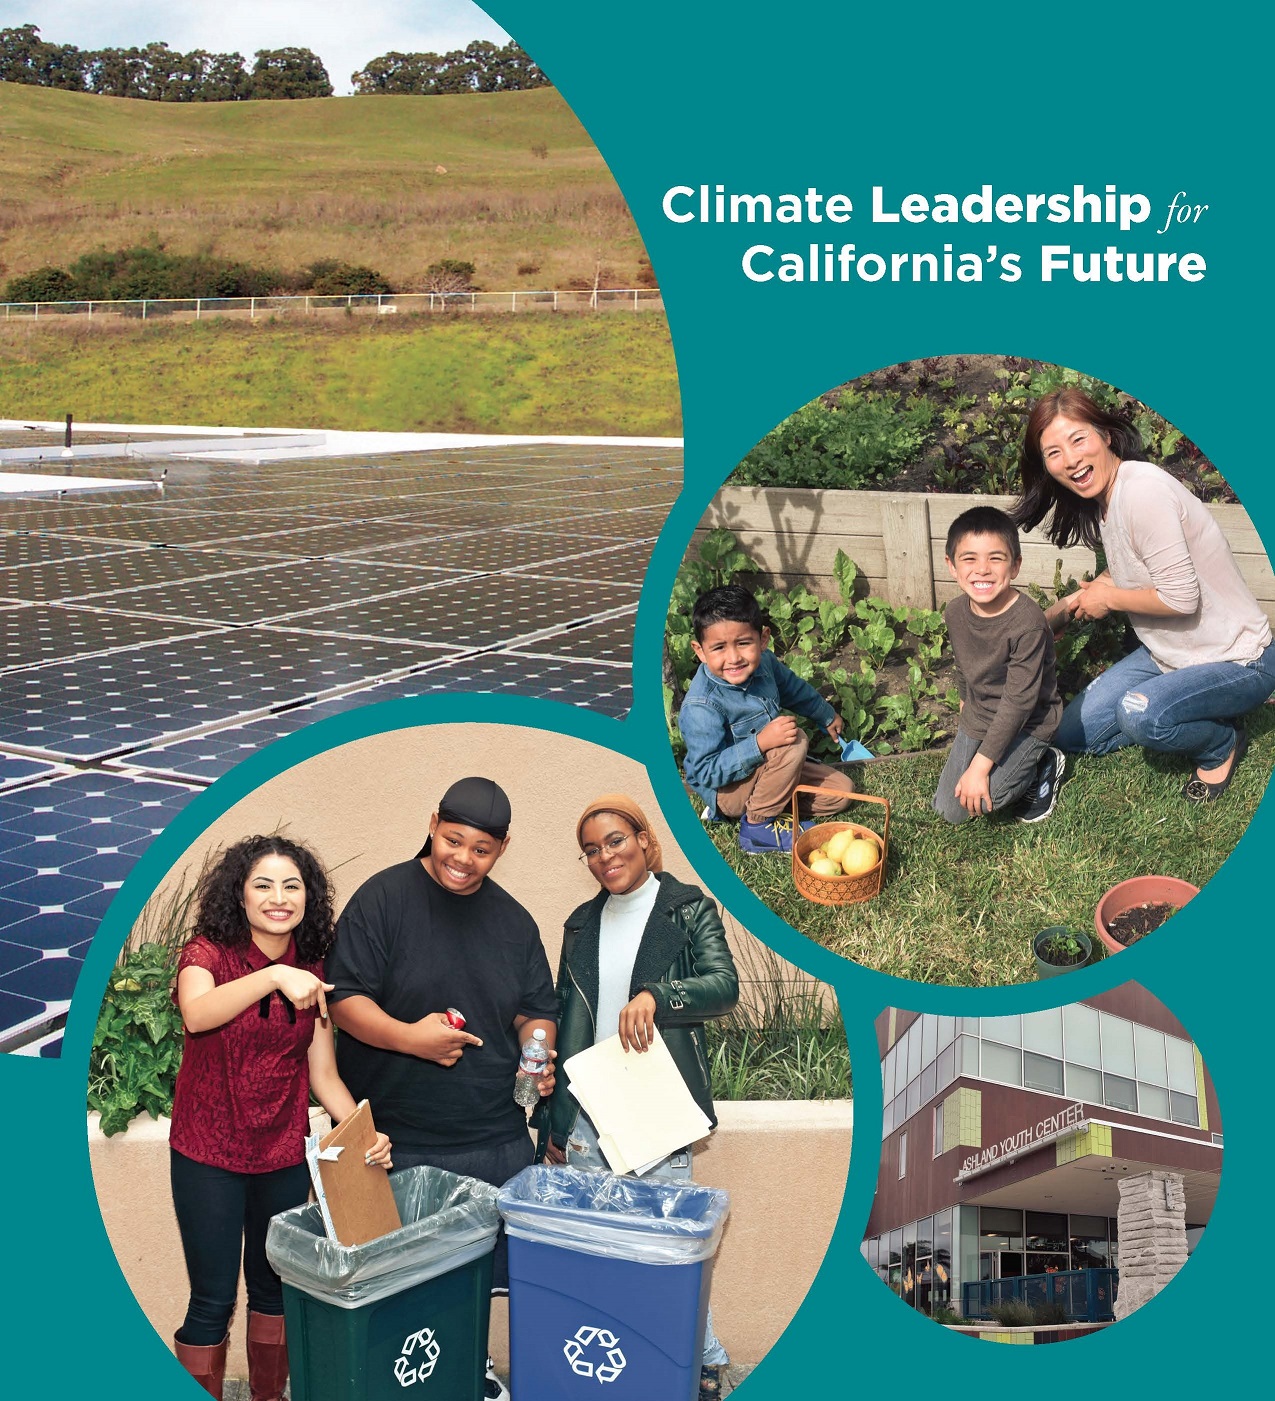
157, 73
479, 67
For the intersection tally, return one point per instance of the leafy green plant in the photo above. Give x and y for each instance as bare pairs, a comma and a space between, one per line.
1050, 1313
941, 1313
137, 1045
1085, 648
1061, 949
862, 438
812, 636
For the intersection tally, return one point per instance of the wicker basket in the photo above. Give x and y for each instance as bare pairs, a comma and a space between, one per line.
837, 890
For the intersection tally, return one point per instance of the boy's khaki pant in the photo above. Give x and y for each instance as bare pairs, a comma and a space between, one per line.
767, 791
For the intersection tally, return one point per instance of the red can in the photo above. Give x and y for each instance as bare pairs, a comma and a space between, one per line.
455, 1018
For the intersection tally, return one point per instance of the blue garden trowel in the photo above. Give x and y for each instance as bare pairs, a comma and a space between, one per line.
852, 751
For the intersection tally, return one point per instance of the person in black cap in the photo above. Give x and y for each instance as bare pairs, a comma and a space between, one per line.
432, 934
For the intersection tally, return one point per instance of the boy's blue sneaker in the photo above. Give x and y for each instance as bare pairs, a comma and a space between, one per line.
766, 838
1041, 799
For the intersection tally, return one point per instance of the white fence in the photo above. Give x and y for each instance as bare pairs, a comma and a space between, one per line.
383, 304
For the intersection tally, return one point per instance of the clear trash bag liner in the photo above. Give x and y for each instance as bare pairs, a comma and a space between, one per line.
448, 1221
624, 1218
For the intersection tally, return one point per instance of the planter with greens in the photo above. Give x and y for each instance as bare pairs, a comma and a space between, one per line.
1058, 950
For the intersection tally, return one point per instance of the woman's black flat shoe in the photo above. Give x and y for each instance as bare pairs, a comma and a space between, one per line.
1198, 790
710, 1383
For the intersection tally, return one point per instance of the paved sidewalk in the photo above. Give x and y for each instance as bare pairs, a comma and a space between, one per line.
237, 1389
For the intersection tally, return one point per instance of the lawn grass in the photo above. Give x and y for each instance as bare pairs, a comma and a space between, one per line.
960, 904
502, 180
594, 373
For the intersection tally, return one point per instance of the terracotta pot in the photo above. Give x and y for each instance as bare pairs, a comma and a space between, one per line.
1141, 890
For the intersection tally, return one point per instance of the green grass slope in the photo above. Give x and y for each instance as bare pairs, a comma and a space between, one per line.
504, 180
604, 373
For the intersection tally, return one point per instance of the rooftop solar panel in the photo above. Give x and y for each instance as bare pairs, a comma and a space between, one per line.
41, 632
65, 847
135, 661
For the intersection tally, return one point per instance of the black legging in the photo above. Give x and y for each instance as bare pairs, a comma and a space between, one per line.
222, 1214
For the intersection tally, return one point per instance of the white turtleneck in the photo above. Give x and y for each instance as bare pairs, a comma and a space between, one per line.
624, 918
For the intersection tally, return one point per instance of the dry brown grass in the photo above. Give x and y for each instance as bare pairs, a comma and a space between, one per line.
393, 183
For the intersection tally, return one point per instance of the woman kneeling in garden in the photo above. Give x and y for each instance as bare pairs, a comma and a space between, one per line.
1206, 656
646, 951
251, 994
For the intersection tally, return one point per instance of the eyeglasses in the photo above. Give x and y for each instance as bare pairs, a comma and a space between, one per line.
608, 848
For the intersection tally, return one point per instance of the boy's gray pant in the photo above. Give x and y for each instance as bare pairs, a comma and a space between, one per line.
1010, 779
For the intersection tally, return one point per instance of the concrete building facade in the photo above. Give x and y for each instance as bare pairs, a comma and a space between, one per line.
1007, 1143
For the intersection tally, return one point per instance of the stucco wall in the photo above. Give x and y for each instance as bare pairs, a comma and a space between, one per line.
367, 804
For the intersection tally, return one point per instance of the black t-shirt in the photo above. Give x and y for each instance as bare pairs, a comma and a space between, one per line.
415, 948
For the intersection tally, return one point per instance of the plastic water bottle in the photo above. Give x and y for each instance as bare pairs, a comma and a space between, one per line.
531, 1066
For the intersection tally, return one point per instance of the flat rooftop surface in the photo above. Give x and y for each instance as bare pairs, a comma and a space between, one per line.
153, 636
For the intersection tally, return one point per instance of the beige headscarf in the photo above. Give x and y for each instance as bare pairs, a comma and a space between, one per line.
629, 810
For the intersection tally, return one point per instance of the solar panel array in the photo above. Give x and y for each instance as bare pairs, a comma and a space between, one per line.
152, 638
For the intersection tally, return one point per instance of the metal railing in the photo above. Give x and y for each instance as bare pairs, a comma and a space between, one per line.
1087, 1295
380, 304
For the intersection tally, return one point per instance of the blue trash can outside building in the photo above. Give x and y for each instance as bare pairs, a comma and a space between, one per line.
608, 1284
404, 1316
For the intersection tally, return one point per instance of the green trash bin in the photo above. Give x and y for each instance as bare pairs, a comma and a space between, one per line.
405, 1315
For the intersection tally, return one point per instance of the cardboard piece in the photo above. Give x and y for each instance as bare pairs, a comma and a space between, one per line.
355, 1196
638, 1102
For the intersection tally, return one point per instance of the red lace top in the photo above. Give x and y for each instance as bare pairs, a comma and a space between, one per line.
243, 1090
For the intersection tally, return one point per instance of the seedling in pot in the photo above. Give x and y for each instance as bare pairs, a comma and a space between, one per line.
1062, 949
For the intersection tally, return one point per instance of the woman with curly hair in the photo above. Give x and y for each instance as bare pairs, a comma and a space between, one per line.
258, 1039
1207, 655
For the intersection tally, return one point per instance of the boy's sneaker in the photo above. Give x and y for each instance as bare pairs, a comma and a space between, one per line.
766, 838
1037, 805
493, 1388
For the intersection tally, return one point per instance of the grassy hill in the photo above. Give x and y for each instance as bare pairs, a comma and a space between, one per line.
611, 372
503, 180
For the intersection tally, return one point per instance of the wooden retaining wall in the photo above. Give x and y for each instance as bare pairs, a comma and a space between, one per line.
896, 540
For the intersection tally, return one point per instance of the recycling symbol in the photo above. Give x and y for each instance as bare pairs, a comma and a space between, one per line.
422, 1345
576, 1352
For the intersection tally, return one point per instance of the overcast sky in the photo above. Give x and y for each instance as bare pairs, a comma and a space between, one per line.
345, 35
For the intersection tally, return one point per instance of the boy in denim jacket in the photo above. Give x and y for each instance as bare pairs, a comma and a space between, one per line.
744, 756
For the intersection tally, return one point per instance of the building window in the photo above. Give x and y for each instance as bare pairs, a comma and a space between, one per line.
1090, 1056
938, 1129
903, 1154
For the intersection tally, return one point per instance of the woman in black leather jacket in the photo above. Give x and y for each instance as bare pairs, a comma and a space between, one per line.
646, 951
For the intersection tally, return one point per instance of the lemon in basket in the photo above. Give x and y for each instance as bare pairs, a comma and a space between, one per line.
859, 856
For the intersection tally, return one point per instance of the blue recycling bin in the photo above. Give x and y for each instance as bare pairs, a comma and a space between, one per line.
405, 1314
608, 1284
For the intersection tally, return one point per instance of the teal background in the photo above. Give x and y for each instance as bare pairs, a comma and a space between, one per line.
764, 98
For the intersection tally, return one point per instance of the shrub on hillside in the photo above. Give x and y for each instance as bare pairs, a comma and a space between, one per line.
147, 271
329, 278
43, 285
450, 275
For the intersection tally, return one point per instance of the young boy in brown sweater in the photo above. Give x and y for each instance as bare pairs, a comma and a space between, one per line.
1006, 675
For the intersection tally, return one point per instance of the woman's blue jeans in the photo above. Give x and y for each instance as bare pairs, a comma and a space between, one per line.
1190, 711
